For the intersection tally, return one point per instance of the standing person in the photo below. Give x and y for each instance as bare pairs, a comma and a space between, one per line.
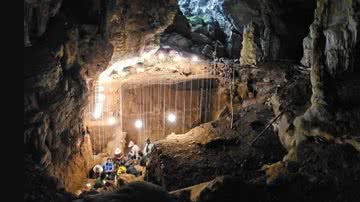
148, 147
118, 156
134, 151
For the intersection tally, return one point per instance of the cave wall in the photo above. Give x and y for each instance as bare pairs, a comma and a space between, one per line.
331, 50
67, 44
131, 26
280, 26
339, 23
57, 68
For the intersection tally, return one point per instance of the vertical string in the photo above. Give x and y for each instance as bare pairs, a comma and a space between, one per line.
210, 99
98, 147
140, 130
149, 112
121, 110
164, 126
184, 109
175, 107
231, 96
191, 89
201, 98
93, 134
143, 112
102, 126
219, 94
159, 111
197, 99
206, 97
169, 92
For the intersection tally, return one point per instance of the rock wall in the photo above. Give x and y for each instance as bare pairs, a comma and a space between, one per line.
333, 52
280, 26
339, 23
67, 44
132, 25
55, 91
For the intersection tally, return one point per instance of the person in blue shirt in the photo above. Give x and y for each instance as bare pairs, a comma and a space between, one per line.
109, 167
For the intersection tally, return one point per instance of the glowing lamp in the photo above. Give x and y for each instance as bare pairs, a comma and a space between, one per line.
104, 77
195, 58
97, 113
177, 58
171, 118
161, 56
88, 185
112, 120
101, 97
140, 69
101, 89
138, 123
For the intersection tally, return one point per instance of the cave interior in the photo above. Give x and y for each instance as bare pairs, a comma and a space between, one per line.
242, 100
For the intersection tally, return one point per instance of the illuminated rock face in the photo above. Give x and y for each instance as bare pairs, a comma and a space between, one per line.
153, 109
248, 51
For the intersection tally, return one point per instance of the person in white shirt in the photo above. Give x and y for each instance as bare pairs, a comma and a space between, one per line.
98, 169
134, 151
148, 147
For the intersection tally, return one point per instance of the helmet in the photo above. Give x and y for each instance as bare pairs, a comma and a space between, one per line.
131, 143
117, 151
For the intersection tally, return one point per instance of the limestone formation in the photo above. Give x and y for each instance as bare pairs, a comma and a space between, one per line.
248, 51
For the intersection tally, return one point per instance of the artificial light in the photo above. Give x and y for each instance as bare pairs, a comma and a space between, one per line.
171, 117
138, 123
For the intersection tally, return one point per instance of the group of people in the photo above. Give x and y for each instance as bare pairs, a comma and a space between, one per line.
112, 168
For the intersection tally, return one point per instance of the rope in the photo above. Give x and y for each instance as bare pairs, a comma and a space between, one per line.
201, 98
191, 89
263, 131
159, 107
184, 110
231, 97
164, 126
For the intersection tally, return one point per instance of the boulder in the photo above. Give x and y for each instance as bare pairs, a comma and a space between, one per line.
178, 41
234, 45
208, 51
133, 192
200, 38
180, 25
